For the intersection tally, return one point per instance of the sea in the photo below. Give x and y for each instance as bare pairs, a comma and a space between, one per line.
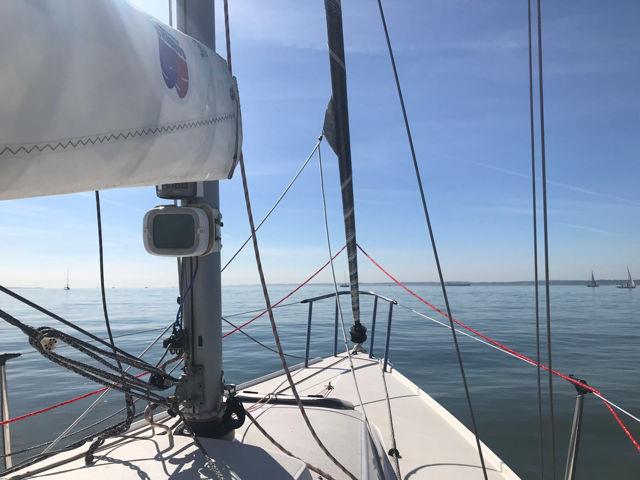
595, 336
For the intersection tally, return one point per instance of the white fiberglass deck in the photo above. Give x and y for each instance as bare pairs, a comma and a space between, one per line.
432, 443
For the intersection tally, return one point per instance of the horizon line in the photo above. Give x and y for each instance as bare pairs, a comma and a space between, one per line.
448, 283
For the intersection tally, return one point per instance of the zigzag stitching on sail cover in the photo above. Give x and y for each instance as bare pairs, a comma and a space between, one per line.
79, 142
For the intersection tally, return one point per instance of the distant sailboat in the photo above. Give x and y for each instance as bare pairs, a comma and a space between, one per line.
344, 283
629, 283
593, 282
67, 287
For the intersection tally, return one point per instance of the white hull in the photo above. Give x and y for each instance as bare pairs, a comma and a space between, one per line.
432, 443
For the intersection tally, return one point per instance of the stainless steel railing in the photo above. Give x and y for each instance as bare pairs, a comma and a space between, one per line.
376, 297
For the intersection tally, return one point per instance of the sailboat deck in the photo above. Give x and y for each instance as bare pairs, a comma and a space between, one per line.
432, 443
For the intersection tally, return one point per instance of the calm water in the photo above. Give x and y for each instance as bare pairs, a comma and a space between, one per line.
595, 336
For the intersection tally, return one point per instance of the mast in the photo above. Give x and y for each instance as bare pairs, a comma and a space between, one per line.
202, 386
336, 131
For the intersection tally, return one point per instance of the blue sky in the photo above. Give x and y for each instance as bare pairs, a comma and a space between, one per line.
463, 65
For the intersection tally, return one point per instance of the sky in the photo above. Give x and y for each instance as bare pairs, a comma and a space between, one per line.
463, 67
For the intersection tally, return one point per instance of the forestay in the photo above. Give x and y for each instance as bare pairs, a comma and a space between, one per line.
97, 95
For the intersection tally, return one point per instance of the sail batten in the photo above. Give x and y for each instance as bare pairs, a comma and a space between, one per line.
114, 99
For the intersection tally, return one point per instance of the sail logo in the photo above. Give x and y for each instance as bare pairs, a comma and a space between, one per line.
173, 62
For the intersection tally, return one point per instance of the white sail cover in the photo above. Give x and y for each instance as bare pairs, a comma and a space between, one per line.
95, 94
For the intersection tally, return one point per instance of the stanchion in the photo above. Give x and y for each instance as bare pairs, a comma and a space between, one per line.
4, 401
576, 427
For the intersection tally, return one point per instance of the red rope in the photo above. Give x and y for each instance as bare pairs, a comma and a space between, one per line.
239, 327
313, 275
61, 404
505, 348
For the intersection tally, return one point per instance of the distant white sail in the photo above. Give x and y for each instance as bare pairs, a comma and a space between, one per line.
96, 94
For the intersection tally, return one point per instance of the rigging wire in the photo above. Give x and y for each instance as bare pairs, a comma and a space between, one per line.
265, 291
258, 341
519, 357
273, 207
339, 305
274, 328
543, 159
609, 405
288, 295
83, 429
258, 310
535, 248
432, 238
67, 323
227, 34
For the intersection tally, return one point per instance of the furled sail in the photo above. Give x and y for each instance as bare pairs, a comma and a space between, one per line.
336, 131
96, 94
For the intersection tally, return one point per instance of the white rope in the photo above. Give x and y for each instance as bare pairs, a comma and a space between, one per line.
528, 362
617, 407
